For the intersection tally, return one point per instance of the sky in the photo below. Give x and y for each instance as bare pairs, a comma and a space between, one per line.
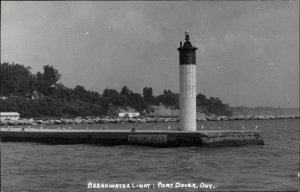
248, 51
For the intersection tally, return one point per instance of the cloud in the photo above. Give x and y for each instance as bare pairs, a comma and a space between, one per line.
133, 23
209, 45
230, 40
271, 63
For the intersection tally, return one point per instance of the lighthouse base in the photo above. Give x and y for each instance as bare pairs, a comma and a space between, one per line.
210, 138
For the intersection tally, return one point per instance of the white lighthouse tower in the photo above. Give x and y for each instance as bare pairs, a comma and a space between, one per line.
187, 85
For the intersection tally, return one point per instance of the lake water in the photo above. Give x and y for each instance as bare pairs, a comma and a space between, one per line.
273, 166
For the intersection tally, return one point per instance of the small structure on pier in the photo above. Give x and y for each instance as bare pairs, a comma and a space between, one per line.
9, 116
129, 114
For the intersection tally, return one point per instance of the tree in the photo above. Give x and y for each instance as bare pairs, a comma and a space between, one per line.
135, 100
110, 96
15, 79
51, 75
216, 106
169, 98
124, 96
147, 93
47, 80
80, 93
201, 99
125, 91
148, 96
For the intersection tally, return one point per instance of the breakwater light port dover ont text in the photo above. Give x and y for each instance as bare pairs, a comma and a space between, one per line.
161, 185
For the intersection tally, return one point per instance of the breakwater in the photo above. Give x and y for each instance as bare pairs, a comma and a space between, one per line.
209, 138
98, 120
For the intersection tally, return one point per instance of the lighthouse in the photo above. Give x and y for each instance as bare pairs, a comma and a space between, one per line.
187, 85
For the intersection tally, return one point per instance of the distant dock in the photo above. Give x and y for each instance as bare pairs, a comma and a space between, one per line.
208, 138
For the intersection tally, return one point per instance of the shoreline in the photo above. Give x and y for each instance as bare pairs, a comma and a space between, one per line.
98, 120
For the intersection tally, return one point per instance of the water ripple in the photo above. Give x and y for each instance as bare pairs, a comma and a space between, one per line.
274, 166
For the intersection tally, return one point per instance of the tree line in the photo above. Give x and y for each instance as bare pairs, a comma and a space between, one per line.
41, 94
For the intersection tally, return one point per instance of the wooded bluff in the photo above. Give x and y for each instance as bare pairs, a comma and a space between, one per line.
42, 95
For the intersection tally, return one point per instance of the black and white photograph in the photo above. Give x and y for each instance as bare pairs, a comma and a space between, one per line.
149, 96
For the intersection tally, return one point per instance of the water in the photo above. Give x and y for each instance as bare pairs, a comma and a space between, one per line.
273, 166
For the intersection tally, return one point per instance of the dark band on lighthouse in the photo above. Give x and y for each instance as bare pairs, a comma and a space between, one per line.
187, 53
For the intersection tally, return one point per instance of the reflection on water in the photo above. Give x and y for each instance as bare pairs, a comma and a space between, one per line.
273, 166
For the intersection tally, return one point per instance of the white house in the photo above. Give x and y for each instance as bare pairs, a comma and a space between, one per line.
9, 116
129, 114
3, 98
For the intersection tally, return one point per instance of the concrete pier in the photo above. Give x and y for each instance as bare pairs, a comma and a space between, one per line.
209, 138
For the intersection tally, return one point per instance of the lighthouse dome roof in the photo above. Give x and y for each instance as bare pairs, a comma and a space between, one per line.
187, 44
